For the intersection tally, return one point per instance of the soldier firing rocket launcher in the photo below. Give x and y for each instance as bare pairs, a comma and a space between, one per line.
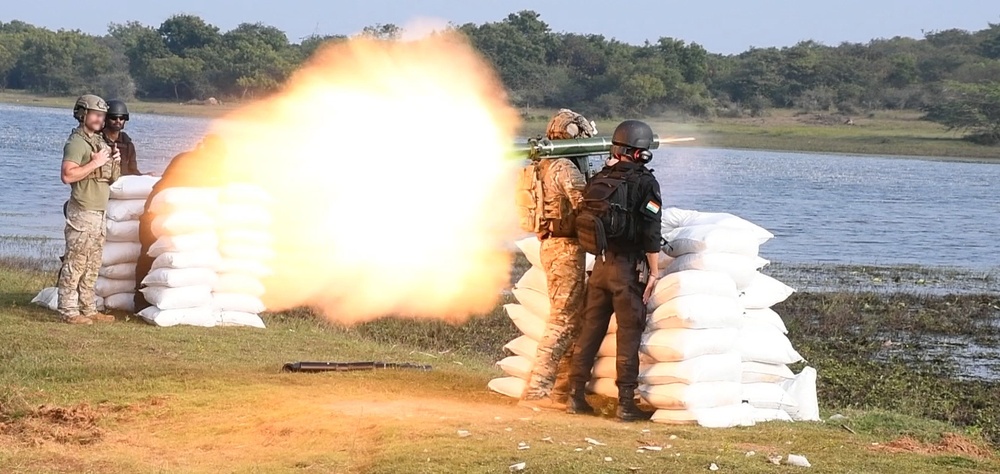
577, 149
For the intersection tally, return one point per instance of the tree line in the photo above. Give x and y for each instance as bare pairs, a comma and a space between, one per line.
952, 74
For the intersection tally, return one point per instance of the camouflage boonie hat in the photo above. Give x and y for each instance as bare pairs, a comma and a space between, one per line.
568, 124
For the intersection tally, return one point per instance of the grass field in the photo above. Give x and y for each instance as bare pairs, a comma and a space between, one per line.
131, 398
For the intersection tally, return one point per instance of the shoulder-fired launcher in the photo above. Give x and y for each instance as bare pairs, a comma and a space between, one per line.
577, 149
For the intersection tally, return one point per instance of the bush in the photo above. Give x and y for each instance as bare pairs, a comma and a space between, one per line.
116, 85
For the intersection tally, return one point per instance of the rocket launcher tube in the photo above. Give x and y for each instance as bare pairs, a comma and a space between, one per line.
545, 148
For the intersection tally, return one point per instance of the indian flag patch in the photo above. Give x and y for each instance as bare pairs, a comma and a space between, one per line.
652, 207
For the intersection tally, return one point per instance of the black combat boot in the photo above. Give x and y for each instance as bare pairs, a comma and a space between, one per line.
628, 411
577, 403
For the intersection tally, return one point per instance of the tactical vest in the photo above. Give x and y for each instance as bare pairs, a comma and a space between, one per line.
110, 171
540, 213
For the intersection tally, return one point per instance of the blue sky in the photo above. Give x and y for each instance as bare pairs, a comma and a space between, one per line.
723, 26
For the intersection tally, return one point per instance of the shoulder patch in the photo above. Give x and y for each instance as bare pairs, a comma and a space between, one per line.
652, 207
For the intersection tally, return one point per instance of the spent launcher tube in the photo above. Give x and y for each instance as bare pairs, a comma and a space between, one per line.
542, 148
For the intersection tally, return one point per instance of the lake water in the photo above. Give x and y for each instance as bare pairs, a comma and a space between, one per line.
823, 209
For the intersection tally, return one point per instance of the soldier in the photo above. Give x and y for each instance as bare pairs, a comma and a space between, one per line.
114, 133
626, 268
563, 261
89, 166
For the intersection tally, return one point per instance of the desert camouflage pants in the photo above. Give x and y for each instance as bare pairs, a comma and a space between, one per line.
564, 263
85, 231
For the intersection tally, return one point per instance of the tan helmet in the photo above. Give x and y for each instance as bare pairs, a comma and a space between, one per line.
568, 124
88, 102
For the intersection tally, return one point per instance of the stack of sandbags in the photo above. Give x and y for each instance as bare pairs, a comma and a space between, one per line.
116, 278
246, 247
49, 298
180, 282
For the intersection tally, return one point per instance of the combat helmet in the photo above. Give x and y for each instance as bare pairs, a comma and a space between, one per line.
88, 102
118, 108
633, 134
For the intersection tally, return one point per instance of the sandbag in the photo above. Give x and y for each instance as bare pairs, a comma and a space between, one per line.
510, 386
533, 279
741, 268
523, 346
531, 248
613, 324
133, 187
758, 372
181, 277
199, 316
517, 366
527, 322
711, 239
243, 193
183, 243
719, 417
663, 262
248, 267
609, 346
679, 396
672, 345
766, 316
238, 302
239, 283
49, 298
182, 223
121, 271
239, 216
706, 368
121, 301
692, 282
171, 200
190, 259
534, 301
768, 395
120, 252
762, 343
246, 237
762, 415
105, 287
674, 218
179, 298
764, 292
697, 312
257, 253
127, 231
237, 318
603, 387
125, 211
803, 390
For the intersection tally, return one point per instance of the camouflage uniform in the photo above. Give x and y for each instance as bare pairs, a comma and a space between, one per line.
564, 262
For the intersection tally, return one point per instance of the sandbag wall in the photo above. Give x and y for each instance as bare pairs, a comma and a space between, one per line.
116, 278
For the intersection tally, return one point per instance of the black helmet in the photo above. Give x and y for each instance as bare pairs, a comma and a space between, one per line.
117, 107
633, 134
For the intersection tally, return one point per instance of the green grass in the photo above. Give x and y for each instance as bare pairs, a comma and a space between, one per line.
134, 398
134, 106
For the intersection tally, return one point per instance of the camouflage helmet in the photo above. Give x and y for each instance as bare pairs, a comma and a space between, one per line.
567, 124
88, 102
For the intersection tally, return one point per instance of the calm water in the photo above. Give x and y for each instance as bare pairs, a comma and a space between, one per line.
822, 208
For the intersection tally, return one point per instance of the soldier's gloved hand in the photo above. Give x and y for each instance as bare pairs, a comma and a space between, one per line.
101, 158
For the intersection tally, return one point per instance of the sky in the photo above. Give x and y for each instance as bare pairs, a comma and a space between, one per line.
721, 26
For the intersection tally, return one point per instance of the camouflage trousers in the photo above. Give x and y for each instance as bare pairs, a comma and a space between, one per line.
85, 231
564, 262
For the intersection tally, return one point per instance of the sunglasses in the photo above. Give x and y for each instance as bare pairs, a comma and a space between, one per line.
118, 117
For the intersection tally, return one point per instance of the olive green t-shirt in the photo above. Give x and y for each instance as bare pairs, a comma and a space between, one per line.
89, 193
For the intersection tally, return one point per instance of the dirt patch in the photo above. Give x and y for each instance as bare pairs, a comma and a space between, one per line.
76, 425
950, 443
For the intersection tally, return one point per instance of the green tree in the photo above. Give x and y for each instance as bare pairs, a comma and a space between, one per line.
970, 108
176, 71
10, 47
184, 32
385, 32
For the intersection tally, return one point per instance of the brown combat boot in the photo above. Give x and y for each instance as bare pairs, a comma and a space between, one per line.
78, 320
544, 403
102, 318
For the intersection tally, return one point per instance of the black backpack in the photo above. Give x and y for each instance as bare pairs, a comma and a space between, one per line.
606, 213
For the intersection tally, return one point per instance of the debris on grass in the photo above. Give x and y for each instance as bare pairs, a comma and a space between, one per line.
774, 459
594, 442
464, 434
517, 467
522, 446
797, 460
713, 467
608, 459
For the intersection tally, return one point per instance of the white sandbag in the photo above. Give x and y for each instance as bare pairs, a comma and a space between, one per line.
47, 298
248, 267
603, 387
533, 279
613, 324
763, 343
766, 316
120, 252
182, 222
179, 298
125, 211
528, 323
767, 395
697, 312
243, 193
105, 287
679, 396
718, 417
209, 259
183, 243
609, 346
238, 302
741, 268
531, 248
763, 415
803, 390
536, 302
759, 372
181, 277
171, 200
127, 231
121, 271
517, 366
693, 282
121, 301
706, 368
672, 345
711, 239
523, 346
239, 283
674, 218
764, 292
199, 316
510, 386
246, 237
133, 187
258, 253
237, 318
239, 216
